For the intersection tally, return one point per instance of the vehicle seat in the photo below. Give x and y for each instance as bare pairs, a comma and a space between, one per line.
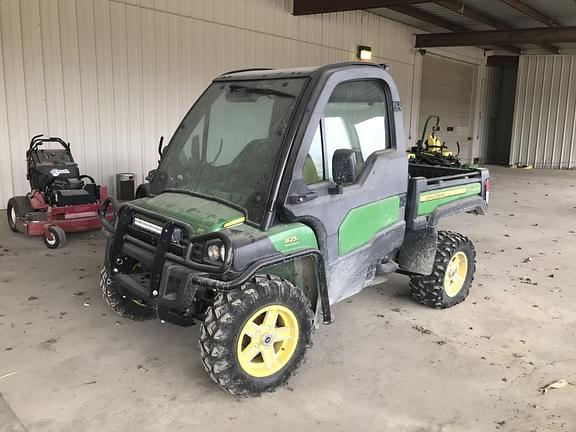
310, 173
257, 153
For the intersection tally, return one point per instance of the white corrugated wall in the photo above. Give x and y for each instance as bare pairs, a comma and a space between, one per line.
544, 133
111, 76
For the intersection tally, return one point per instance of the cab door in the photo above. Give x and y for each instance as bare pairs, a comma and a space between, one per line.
364, 224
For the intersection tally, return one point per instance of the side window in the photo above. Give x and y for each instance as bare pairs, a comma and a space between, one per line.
313, 171
356, 117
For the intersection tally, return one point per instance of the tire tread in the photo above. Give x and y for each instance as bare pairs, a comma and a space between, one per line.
429, 290
122, 306
221, 325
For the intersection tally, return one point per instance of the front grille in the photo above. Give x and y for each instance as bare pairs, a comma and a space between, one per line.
144, 231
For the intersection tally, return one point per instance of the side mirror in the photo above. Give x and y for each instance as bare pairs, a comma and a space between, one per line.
150, 175
344, 169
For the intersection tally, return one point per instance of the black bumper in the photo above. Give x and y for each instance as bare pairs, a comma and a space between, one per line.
174, 284
168, 279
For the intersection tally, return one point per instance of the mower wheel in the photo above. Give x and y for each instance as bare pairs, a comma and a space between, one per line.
252, 339
17, 207
122, 305
452, 274
55, 237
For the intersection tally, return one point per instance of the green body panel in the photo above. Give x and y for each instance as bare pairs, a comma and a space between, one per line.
201, 214
291, 237
430, 201
206, 216
361, 224
285, 237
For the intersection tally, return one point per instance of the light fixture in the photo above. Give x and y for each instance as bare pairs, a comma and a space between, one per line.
364, 52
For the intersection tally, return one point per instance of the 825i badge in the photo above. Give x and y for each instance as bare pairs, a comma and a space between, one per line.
290, 240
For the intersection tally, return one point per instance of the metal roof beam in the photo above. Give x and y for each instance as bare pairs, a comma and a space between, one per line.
537, 36
428, 18
441, 22
473, 13
531, 12
307, 7
459, 7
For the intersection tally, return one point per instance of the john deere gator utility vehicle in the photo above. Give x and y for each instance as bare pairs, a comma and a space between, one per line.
281, 193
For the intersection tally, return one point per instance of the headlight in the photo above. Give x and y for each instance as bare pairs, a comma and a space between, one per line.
216, 252
177, 235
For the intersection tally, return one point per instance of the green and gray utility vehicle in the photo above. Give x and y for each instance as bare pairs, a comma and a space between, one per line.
281, 193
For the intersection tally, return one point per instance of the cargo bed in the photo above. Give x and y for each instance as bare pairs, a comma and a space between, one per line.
435, 191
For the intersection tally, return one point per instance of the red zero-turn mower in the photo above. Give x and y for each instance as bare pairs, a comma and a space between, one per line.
61, 200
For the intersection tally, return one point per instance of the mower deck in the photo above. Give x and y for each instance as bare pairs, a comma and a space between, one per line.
71, 219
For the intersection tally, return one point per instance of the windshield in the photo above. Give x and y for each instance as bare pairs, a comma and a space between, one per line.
228, 144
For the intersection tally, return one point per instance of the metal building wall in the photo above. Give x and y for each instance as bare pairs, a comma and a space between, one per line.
111, 76
544, 133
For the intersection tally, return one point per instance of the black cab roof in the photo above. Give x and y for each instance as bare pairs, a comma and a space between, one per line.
265, 73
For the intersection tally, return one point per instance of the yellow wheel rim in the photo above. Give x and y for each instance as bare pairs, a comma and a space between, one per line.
456, 273
267, 341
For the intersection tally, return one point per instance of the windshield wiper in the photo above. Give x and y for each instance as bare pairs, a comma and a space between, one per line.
208, 197
262, 91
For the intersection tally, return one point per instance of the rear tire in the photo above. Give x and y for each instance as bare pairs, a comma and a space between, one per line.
452, 274
17, 207
55, 237
254, 338
123, 306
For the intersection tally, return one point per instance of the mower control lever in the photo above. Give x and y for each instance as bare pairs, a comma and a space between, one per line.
104, 210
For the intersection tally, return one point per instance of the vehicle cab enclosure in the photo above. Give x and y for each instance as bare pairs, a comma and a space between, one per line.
299, 173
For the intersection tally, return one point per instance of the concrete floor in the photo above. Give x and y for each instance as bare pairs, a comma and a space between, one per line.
75, 366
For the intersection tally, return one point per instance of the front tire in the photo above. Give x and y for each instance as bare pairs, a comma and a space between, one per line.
123, 306
452, 274
254, 338
55, 237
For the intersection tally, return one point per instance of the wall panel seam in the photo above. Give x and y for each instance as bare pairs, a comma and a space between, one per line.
113, 99
569, 91
82, 126
11, 174
24, 69
62, 67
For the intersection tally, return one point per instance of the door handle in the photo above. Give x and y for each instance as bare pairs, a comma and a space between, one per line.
299, 199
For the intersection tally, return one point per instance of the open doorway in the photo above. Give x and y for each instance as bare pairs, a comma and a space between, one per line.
447, 91
501, 74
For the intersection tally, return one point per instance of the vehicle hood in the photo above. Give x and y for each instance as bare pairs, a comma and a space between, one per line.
202, 214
